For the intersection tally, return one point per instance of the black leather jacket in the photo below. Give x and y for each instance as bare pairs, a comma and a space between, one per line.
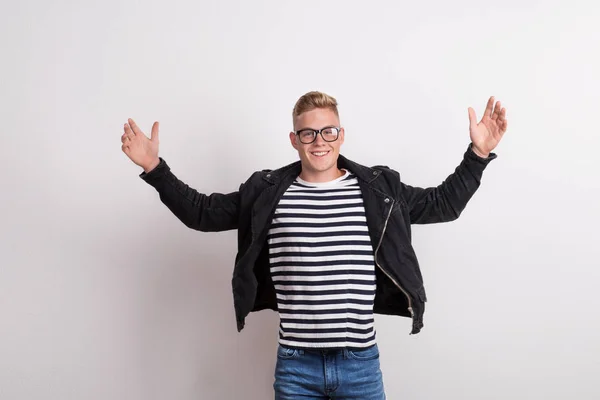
391, 207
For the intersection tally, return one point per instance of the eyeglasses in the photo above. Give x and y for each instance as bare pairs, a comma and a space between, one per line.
329, 134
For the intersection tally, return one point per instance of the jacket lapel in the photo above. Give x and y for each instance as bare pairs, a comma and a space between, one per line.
264, 206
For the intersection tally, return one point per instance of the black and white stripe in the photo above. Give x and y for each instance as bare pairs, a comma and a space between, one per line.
322, 265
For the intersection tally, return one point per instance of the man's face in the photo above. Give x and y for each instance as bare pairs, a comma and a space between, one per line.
319, 158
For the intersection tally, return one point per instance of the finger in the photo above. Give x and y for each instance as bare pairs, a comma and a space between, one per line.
136, 129
502, 115
489, 107
501, 127
496, 112
128, 130
154, 133
472, 117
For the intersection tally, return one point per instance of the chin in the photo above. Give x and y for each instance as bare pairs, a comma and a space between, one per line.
321, 167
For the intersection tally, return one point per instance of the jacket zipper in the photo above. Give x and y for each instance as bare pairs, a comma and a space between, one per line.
410, 309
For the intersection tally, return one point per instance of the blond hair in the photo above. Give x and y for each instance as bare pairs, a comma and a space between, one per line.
312, 100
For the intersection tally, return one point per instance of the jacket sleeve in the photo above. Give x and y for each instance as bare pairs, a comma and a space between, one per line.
207, 213
446, 202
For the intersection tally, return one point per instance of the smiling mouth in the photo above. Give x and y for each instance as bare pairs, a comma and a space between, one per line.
319, 153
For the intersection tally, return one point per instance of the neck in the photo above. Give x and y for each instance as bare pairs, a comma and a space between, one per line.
321, 176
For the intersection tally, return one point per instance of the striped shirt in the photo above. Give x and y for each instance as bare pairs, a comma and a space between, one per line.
322, 265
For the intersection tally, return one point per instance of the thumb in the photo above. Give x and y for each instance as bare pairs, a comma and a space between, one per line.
472, 117
154, 133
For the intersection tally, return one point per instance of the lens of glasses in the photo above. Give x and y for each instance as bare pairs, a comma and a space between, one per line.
330, 134
307, 136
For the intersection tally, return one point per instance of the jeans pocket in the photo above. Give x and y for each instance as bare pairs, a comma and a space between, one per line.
369, 353
285, 353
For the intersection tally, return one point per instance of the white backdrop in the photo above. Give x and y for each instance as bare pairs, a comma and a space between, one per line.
104, 294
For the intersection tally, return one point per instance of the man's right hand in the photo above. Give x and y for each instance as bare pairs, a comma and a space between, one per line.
136, 145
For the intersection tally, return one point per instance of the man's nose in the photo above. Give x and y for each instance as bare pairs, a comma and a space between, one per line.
319, 139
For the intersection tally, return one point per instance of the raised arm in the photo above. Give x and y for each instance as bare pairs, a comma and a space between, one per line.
208, 213
446, 201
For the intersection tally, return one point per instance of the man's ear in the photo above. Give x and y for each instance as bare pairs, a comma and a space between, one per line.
293, 140
342, 135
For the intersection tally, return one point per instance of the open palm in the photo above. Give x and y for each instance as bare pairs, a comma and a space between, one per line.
140, 149
486, 134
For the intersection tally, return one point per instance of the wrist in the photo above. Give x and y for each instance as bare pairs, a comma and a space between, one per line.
151, 165
480, 153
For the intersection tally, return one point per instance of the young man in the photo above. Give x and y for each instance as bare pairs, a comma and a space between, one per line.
326, 242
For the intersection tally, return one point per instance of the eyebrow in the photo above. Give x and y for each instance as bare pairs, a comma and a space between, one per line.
313, 129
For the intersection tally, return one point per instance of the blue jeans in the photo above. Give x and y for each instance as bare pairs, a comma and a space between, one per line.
339, 374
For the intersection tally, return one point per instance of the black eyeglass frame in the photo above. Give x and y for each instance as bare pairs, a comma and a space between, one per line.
317, 132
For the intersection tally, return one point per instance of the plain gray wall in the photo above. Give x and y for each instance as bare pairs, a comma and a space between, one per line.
104, 294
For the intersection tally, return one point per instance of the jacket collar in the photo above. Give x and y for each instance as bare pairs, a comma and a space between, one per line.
289, 172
